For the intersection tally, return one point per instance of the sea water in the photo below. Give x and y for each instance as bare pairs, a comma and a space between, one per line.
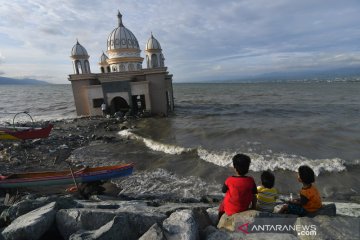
279, 125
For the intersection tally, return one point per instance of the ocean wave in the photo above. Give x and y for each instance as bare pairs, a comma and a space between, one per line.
260, 162
275, 161
156, 146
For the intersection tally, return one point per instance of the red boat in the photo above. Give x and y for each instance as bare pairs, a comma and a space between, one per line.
22, 133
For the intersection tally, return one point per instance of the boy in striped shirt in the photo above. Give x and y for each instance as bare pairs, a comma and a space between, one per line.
267, 194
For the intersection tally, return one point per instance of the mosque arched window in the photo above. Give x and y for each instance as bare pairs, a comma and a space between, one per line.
122, 67
154, 61
87, 66
108, 69
102, 69
79, 69
131, 67
139, 66
147, 61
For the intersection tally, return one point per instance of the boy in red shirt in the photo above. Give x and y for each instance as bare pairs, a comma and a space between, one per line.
240, 190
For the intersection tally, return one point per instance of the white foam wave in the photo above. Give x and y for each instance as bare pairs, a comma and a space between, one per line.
273, 162
154, 145
259, 162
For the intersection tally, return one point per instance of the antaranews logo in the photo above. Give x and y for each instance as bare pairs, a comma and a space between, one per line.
278, 226
244, 228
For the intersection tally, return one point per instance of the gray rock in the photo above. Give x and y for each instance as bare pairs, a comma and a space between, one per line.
212, 233
154, 233
202, 220
327, 209
127, 206
340, 227
21, 208
169, 208
347, 208
71, 221
255, 218
213, 214
181, 225
119, 227
31, 225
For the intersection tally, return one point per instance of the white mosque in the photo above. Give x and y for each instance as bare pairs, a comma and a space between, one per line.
123, 84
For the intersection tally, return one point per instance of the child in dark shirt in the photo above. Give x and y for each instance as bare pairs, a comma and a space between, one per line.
240, 190
310, 200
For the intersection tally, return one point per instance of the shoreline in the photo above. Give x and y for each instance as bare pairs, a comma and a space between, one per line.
140, 201
84, 134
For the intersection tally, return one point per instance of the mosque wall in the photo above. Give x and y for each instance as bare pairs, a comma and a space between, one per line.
142, 88
80, 92
95, 99
157, 93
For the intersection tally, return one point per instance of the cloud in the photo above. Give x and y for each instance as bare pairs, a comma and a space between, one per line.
197, 37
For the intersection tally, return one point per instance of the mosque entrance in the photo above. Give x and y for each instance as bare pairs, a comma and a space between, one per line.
139, 104
118, 104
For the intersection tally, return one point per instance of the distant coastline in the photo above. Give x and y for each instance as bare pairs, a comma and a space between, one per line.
25, 81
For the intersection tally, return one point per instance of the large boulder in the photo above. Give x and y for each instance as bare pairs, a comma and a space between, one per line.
231, 223
70, 221
181, 225
31, 225
253, 221
119, 226
29, 204
154, 233
327, 209
168, 208
21, 208
213, 214
347, 208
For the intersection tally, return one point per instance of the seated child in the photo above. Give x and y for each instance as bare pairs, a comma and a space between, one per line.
267, 194
240, 189
310, 200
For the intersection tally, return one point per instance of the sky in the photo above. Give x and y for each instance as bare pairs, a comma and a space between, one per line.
201, 39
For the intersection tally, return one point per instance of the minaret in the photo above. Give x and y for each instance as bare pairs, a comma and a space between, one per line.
104, 65
80, 60
153, 52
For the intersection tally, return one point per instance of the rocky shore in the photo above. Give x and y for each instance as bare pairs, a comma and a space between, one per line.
51, 213
104, 217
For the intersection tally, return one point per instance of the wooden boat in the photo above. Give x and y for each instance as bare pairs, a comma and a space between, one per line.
65, 177
22, 133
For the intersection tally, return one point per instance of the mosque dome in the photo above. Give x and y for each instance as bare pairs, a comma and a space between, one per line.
152, 44
78, 50
122, 38
103, 58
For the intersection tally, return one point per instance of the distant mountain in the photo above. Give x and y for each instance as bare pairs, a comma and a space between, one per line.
25, 81
316, 75
340, 74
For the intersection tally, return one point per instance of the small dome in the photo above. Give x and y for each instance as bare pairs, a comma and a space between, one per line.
152, 44
121, 37
78, 50
103, 58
